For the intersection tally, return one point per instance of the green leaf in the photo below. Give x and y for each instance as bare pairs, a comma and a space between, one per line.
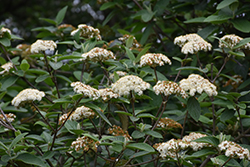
205, 70
153, 134
244, 84
239, 53
24, 65
123, 112
68, 57
146, 34
242, 42
61, 14
64, 78
55, 65
221, 159
38, 71
146, 115
48, 155
5, 41
217, 18
4, 146
48, 20
109, 17
195, 20
41, 78
225, 3
146, 15
208, 139
226, 115
139, 154
8, 82
144, 51
16, 140
31, 159
129, 41
201, 153
107, 5
246, 122
137, 134
241, 25
194, 108
130, 54
141, 146
99, 112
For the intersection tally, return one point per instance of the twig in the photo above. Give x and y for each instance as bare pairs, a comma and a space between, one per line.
182, 64
7, 120
226, 161
223, 65
43, 117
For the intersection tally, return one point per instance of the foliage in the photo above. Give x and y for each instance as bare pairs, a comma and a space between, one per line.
153, 121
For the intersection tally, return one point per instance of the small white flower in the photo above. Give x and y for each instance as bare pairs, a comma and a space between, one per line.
232, 40
42, 46
27, 95
87, 32
3, 31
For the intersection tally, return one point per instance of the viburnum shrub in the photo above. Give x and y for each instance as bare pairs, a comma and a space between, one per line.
73, 99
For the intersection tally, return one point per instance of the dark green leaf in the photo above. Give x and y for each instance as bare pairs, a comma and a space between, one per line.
8, 82
107, 5
225, 3
208, 139
195, 20
137, 134
217, 18
201, 153
60, 15
48, 155
48, 20
5, 41
139, 154
141, 146
129, 41
226, 115
68, 57
41, 78
55, 65
31, 159
130, 54
241, 43
146, 115
38, 71
123, 112
108, 18
16, 140
241, 25
64, 78
205, 70
221, 159
246, 122
144, 51
239, 53
153, 134
194, 108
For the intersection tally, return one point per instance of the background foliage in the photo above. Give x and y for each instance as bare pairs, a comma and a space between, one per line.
155, 24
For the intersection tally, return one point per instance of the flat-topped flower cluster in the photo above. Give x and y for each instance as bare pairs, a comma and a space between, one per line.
98, 55
192, 43
84, 143
27, 95
87, 32
42, 46
154, 59
196, 83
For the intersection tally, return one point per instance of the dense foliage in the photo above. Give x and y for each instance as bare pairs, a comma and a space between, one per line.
145, 83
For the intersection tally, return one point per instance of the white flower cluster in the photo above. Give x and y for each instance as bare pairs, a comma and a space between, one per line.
196, 83
3, 31
234, 150
119, 73
27, 95
154, 59
98, 54
107, 94
173, 147
42, 46
87, 32
84, 143
11, 117
118, 131
6, 67
192, 43
232, 40
168, 88
79, 113
195, 145
86, 90
130, 83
